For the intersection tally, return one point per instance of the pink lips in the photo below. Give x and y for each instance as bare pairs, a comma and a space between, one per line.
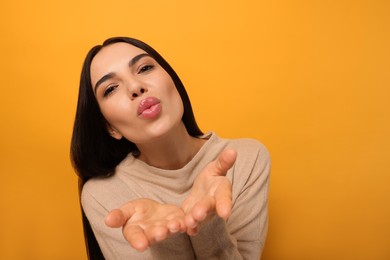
149, 107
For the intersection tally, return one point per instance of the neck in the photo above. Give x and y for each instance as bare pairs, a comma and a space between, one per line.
171, 151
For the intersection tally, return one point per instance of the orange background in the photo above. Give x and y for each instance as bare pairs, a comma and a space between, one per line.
310, 79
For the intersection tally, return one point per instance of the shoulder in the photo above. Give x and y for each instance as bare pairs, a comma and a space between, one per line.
241, 145
105, 192
249, 149
94, 186
249, 145
252, 155
251, 168
90, 194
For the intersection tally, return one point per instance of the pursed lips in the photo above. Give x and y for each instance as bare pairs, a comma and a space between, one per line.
146, 104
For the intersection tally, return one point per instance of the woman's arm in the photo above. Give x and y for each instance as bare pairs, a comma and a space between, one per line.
112, 241
207, 208
243, 235
211, 193
248, 222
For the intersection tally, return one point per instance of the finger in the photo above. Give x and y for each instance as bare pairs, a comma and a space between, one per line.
118, 217
223, 200
189, 221
200, 211
175, 226
115, 218
182, 225
156, 233
192, 231
224, 162
136, 237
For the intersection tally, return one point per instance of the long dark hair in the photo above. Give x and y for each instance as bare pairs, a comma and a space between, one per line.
93, 151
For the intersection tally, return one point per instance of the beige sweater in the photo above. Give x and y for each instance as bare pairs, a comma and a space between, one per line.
241, 237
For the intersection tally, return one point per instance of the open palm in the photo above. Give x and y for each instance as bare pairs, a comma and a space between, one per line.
145, 222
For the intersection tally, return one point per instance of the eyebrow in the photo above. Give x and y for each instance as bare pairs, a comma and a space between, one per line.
112, 74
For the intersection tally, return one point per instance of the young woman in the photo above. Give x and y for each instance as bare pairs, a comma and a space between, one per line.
152, 185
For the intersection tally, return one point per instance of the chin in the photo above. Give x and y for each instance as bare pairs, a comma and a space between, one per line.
166, 128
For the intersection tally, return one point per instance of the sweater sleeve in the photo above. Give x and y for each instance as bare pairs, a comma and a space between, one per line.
249, 220
244, 233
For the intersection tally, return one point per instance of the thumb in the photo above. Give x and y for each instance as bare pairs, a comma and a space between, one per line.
224, 161
118, 217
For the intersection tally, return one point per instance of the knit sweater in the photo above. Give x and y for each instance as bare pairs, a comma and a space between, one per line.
242, 236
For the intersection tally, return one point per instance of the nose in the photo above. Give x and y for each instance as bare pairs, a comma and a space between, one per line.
137, 91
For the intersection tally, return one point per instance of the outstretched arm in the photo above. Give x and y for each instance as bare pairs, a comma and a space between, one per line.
242, 236
211, 193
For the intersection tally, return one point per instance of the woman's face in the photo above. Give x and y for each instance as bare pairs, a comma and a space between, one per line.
135, 94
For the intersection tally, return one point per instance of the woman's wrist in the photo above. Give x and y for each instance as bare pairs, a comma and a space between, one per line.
214, 241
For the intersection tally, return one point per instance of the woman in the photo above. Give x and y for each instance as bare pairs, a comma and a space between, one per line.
153, 186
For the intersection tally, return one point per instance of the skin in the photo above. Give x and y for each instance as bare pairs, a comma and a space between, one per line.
163, 142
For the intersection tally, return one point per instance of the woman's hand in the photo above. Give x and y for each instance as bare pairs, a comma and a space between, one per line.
211, 193
145, 222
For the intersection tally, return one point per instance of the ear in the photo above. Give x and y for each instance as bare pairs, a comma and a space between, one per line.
114, 133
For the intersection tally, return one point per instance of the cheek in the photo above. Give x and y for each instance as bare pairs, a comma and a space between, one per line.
179, 102
175, 98
171, 88
177, 105
116, 110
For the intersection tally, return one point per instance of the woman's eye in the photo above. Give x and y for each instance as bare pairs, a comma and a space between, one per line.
145, 68
109, 90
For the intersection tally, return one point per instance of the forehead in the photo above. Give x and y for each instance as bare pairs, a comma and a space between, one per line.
111, 57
